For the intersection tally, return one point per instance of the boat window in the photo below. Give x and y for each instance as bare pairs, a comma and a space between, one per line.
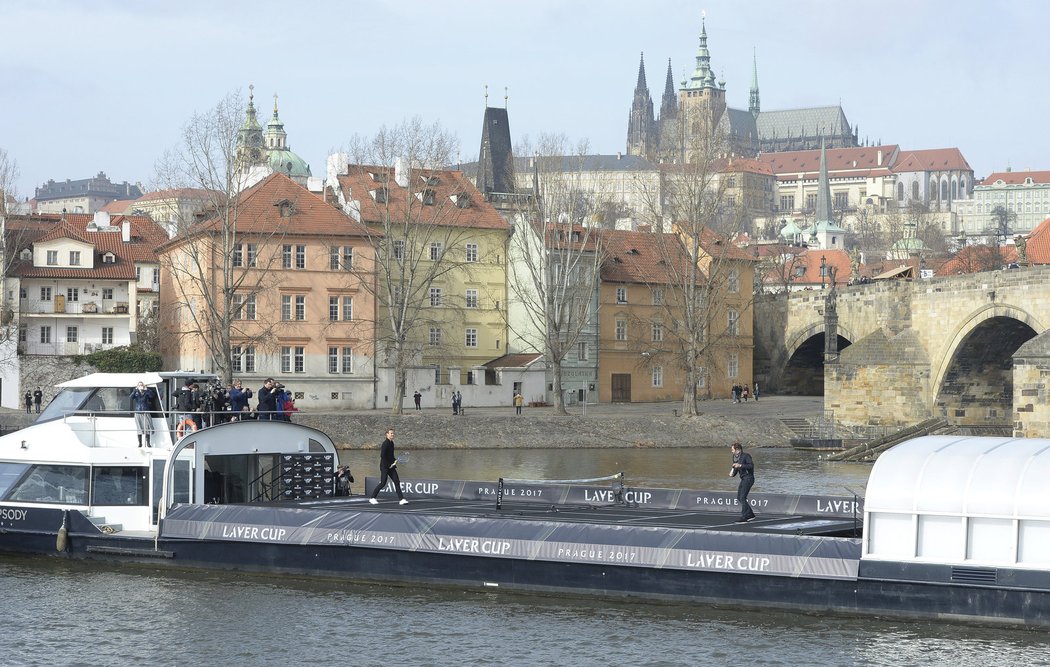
114, 401
119, 485
10, 473
52, 484
67, 401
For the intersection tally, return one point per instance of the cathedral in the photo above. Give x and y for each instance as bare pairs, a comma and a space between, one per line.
702, 99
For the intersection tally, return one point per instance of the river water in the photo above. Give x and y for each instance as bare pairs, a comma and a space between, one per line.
69, 613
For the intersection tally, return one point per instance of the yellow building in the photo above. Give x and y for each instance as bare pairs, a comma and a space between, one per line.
441, 279
284, 286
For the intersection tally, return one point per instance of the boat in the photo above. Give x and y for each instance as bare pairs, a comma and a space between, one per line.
952, 527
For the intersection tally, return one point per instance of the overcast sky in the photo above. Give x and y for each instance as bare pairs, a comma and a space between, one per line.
106, 85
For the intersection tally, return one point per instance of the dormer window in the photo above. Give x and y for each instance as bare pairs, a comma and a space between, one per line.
380, 195
429, 180
109, 258
285, 208
26, 254
426, 196
460, 199
634, 251
378, 177
52, 258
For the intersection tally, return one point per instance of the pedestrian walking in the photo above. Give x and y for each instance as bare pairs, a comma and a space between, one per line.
388, 469
519, 400
756, 392
418, 398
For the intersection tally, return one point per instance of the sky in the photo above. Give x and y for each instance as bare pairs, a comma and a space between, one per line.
103, 85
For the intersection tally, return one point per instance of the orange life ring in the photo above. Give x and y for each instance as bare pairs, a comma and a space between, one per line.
180, 430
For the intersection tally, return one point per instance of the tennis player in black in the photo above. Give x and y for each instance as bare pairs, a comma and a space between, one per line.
744, 468
388, 468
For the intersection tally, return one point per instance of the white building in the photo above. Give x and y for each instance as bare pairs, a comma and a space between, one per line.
1025, 195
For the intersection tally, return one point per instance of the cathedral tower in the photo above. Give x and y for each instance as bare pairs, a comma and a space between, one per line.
754, 105
641, 126
701, 100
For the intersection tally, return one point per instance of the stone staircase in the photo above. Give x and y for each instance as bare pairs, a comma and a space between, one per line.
800, 426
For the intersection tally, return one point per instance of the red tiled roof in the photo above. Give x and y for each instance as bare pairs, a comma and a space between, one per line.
117, 206
643, 257
1016, 177
737, 165
359, 184
259, 210
935, 159
858, 161
1037, 247
833, 258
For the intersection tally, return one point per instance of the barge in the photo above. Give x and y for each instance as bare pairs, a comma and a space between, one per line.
951, 528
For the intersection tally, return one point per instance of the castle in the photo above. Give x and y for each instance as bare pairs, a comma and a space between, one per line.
702, 100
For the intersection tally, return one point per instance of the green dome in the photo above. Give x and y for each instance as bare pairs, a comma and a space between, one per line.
909, 244
288, 163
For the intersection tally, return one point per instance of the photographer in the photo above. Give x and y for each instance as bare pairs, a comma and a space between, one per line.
239, 398
268, 400
343, 479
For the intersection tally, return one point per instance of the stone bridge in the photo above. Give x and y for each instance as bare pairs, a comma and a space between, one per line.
974, 349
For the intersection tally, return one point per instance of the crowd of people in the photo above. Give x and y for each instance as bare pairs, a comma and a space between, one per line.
216, 404
741, 392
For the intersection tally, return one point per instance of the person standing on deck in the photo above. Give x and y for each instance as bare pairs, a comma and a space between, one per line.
143, 399
388, 468
744, 468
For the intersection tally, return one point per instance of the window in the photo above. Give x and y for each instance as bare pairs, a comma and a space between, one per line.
348, 308
657, 332
915, 190
333, 308
900, 192
787, 202
286, 306
45, 293
252, 255
435, 296
435, 251
244, 307
582, 352
399, 249
731, 324
72, 294
731, 182
286, 257
74, 258
243, 360
119, 486
733, 281
107, 293
45, 334
293, 359
621, 295
380, 195
435, 336
340, 359
23, 333
472, 252
658, 296
335, 262
841, 200
300, 307
238, 254
138, 273
472, 298
472, 338
107, 335
658, 376
621, 329
52, 258
733, 365
300, 257
72, 334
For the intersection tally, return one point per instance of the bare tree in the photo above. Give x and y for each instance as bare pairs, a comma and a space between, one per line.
219, 259
420, 218
9, 247
556, 252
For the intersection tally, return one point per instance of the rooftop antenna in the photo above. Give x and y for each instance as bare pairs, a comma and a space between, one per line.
506, 96
486, 95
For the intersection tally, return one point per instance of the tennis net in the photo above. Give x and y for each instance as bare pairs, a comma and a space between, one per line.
589, 491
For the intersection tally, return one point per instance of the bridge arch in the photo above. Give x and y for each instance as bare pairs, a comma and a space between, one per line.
801, 366
972, 381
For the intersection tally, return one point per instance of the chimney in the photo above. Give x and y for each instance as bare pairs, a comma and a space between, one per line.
878, 159
619, 155
125, 231
401, 172
101, 219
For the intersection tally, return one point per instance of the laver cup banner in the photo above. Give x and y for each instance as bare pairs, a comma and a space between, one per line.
845, 507
307, 476
631, 546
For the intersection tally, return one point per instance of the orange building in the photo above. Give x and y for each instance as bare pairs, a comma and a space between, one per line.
280, 285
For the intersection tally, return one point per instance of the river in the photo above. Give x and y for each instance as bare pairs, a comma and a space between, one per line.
71, 613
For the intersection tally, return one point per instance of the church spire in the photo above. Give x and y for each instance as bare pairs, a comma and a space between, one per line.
641, 125
754, 106
669, 103
703, 75
276, 137
823, 212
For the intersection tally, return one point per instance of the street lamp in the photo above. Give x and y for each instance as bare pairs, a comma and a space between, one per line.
823, 269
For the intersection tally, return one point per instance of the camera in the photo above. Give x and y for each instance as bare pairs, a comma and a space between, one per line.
278, 385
